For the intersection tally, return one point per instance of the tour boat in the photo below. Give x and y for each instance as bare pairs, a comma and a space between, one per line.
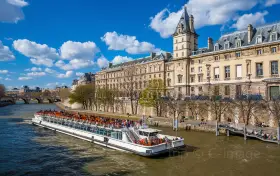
140, 140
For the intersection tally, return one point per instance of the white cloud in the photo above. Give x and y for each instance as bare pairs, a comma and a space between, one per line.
5, 53
8, 79
269, 3
165, 22
254, 19
48, 70
60, 63
79, 74
40, 54
205, 12
102, 62
76, 50
34, 69
25, 78
4, 71
128, 43
36, 74
10, 10
19, 3
68, 74
121, 59
74, 64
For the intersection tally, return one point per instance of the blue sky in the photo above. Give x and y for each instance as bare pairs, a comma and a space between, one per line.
50, 42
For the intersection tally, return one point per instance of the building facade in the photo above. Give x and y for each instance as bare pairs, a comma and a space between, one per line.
241, 59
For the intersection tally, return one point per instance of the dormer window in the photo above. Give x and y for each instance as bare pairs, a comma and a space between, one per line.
238, 43
216, 47
227, 45
273, 36
259, 39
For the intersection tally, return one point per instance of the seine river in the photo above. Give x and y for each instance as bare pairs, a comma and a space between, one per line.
29, 150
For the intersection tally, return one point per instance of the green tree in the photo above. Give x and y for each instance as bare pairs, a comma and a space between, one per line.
151, 96
83, 94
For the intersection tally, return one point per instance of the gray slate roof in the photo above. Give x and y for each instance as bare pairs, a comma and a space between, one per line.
142, 60
264, 31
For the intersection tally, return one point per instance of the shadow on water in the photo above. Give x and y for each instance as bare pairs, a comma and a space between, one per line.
177, 152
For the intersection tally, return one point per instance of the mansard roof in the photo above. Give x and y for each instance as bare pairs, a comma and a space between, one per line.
165, 57
263, 31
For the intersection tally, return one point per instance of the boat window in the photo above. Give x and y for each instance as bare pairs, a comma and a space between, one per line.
141, 133
153, 134
145, 133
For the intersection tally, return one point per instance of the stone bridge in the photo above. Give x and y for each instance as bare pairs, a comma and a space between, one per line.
28, 99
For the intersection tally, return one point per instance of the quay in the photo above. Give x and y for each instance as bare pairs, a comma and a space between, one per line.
264, 134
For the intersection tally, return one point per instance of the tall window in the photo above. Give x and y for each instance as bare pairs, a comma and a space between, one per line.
227, 72
199, 78
192, 69
259, 52
238, 71
200, 69
273, 50
182, 54
192, 79
180, 78
274, 67
216, 73
259, 69
238, 90
227, 90
168, 82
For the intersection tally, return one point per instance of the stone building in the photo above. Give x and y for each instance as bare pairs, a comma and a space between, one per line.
235, 60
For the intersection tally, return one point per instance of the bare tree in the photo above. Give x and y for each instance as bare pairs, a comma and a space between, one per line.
129, 86
196, 106
247, 103
273, 106
216, 103
176, 107
64, 93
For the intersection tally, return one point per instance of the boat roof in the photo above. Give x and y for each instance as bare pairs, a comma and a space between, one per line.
149, 130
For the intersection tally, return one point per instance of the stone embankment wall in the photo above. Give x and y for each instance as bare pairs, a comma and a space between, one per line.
260, 114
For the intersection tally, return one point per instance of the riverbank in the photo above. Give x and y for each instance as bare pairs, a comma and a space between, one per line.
188, 125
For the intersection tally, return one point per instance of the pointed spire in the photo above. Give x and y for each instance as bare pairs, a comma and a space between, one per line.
184, 22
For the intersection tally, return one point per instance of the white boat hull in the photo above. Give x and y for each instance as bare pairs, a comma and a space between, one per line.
108, 141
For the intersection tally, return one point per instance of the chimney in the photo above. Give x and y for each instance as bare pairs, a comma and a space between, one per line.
191, 21
210, 44
167, 55
250, 33
110, 64
153, 55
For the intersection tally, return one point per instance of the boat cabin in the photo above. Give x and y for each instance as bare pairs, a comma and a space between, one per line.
148, 133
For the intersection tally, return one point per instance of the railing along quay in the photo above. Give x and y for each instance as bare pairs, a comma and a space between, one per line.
272, 137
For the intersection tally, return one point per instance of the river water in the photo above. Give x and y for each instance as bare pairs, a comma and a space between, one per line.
29, 150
